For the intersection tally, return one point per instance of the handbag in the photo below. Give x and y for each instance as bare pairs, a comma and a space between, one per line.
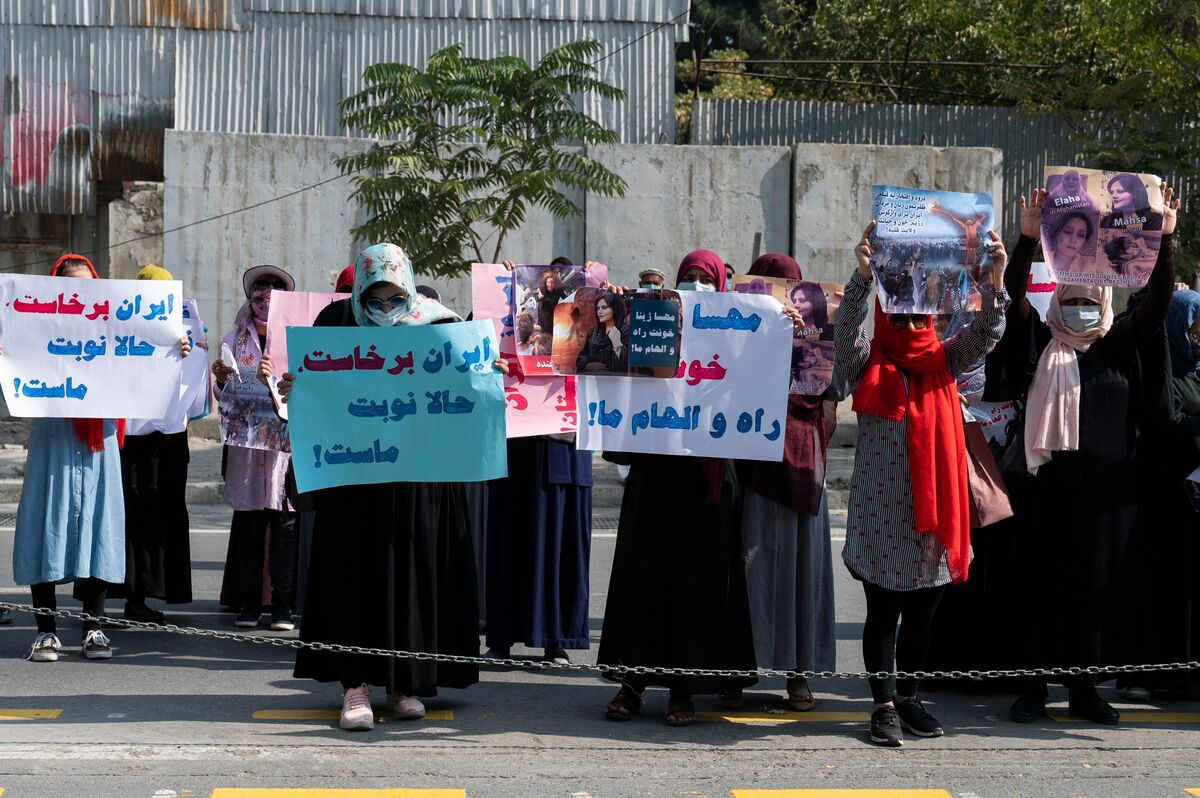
1014, 468
989, 496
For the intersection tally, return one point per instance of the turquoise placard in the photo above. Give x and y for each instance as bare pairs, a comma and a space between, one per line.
402, 404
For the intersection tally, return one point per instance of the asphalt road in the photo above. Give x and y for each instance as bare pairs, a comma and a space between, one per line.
174, 716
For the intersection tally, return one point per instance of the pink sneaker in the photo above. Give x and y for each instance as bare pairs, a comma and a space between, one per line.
405, 707
356, 709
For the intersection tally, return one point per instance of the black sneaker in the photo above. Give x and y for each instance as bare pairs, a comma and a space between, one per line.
281, 619
1087, 703
248, 618
96, 645
885, 727
916, 719
5, 617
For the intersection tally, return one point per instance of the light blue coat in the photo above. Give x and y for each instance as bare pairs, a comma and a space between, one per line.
71, 519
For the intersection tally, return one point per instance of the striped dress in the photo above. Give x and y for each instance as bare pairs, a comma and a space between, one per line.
881, 545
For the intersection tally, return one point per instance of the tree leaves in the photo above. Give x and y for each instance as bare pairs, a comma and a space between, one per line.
469, 144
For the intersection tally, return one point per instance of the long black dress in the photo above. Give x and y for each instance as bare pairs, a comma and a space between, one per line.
1168, 550
677, 594
158, 562
392, 566
1077, 539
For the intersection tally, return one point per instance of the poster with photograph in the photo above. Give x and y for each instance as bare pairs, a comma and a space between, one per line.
533, 405
1100, 227
635, 334
729, 396
812, 351
247, 412
929, 249
536, 292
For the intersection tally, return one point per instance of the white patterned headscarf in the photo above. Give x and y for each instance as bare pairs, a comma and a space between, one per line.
388, 263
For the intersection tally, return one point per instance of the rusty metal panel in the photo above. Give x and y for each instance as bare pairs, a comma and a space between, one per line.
575, 10
194, 14
47, 135
132, 79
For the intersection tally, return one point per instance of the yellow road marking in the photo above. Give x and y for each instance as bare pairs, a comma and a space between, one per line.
29, 714
334, 714
1136, 717
321, 792
841, 794
785, 717
1192, 792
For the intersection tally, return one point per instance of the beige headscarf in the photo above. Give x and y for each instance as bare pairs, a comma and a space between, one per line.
1052, 412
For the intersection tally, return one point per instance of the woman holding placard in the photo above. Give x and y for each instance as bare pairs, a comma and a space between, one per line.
908, 520
677, 595
71, 516
1092, 389
392, 565
264, 522
785, 526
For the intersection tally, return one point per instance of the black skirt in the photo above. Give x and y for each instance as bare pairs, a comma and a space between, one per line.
677, 595
158, 561
392, 567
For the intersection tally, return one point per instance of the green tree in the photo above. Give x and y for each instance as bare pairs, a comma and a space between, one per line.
468, 145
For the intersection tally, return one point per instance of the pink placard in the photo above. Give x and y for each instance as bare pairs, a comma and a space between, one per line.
290, 309
535, 405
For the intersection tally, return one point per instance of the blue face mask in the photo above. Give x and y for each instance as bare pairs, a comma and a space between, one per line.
1080, 318
695, 286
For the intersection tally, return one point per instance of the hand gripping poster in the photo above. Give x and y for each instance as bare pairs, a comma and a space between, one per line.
929, 249
1101, 228
812, 349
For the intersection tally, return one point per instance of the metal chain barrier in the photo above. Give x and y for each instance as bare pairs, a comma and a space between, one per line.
613, 670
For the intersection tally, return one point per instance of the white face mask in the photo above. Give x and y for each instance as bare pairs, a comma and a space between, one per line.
1080, 318
695, 286
388, 319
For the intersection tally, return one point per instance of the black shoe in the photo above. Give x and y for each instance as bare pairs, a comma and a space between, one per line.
885, 727
5, 617
1085, 702
248, 618
281, 620
916, 719
1029, 707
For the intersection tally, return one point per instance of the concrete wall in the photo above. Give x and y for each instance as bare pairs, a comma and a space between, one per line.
812, 200
832, 194
685, 198
208, 174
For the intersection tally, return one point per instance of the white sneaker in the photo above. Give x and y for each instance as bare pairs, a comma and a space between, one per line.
96, 645
357, 714
45, 648
405, 707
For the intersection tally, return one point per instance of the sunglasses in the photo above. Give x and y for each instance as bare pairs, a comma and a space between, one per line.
377, 305
263, 285
901, 321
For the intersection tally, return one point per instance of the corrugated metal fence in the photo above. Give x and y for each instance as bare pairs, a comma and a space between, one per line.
1029, 141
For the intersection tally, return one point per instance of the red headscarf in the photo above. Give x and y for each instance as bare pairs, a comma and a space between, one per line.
799, 480
345, 280
89, 431
710, 263
937, 457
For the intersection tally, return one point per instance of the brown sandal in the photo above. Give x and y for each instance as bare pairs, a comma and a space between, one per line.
625, 704
681, 712
800, 697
